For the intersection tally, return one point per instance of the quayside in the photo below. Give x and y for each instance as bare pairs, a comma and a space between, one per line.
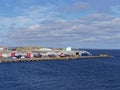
3, 60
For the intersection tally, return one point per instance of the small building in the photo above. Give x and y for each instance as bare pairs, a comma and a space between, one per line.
5, 55
3, 48
45, 49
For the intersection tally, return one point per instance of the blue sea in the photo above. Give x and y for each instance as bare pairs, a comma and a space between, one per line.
82, 74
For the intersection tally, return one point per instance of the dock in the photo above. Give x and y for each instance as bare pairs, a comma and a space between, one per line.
2, 60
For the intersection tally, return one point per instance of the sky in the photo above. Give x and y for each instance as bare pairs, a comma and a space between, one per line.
60, 23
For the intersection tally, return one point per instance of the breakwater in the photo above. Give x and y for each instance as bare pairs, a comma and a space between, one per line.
3, 60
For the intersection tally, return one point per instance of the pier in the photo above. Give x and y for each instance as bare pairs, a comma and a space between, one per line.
2, 60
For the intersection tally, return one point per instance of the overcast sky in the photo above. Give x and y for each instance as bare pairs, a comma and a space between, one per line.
60, 23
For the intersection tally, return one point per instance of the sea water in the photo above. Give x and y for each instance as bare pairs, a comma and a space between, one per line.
82, 74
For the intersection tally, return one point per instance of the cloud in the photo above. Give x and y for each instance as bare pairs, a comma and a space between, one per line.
29, 16
64, 32
45, 25
98, 17
1, 40
76, 6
